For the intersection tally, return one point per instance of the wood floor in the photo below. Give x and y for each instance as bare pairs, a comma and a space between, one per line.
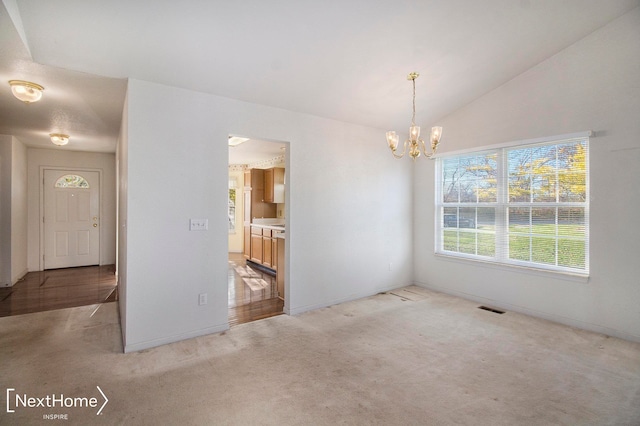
252, 293
59, 289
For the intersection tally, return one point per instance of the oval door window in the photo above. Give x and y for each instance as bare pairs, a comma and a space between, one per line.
72, 181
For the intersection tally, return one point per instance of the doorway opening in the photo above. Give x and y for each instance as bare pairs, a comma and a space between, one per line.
257, 224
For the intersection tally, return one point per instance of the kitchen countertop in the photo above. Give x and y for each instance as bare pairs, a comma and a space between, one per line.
275, 227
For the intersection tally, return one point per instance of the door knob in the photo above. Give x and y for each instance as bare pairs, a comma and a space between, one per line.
95, 225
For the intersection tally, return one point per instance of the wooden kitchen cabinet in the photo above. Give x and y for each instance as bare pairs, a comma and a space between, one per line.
267, 246
274, 250
274, 185
256, 245
259, 207
281, 267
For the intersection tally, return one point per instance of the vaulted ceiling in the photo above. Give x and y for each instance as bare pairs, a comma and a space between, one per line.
346, 60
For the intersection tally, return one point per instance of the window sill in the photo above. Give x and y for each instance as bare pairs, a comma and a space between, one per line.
561, 275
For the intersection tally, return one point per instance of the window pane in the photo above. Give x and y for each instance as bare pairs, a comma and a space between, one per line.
571, 253
543, 221
571, 221
572, 172
487, 244
450, 240
450, 177
72, 181
450, 217
519, 248
543, 250
519, 175
486, 219
467, 218
467, 242
232, 209
468, 190
519, 220
544, 188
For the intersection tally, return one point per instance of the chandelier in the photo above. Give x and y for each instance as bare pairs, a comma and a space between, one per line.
414, 142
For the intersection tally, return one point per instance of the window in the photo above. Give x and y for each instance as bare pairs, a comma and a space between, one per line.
233, 183
72, 181
524, 205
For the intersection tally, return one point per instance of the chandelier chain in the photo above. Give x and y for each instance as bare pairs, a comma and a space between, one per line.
413, 117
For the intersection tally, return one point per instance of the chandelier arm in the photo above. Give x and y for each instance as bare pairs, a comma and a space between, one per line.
404, 151
429, 154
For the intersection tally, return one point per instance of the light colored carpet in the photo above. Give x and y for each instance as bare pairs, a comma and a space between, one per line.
409, 358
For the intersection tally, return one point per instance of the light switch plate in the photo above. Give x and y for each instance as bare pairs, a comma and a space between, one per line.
198, 224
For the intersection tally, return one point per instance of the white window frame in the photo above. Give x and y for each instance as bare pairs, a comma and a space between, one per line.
233, 216
502, 205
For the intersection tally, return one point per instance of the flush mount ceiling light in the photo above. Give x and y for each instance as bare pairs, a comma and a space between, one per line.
59, 138
26, 91
236, 140
414, 142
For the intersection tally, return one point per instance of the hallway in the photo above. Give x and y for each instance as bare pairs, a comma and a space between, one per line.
59, 289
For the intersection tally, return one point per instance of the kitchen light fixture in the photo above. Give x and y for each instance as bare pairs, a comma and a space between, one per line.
59, 138
26, 91
236, 140
414, 141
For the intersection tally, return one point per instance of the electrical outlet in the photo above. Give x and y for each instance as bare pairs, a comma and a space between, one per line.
390, 266
198, 224
202, 299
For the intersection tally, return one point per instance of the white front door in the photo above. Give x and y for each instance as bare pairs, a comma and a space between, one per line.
71, 218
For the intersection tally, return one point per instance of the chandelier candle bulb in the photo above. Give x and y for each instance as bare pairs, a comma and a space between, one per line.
415, 132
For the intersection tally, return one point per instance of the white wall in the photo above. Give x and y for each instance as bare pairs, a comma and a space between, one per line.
348, 210
592, 85
13, 210
38, 158
122, 166
5, 210
18, 211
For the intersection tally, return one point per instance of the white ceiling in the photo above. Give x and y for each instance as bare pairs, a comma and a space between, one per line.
254, 151
345, 60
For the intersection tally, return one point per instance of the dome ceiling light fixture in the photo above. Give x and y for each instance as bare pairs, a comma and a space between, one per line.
59, 138
26, 91
414, 142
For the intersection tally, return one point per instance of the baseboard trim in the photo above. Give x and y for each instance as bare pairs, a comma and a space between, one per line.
572, 322
19, 277
134, 347
301, 309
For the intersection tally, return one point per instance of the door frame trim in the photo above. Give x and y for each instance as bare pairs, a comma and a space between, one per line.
41, 208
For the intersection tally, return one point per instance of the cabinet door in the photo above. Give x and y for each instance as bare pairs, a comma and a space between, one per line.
267, 252
281, 268
268, 186
274, 254
256, 248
